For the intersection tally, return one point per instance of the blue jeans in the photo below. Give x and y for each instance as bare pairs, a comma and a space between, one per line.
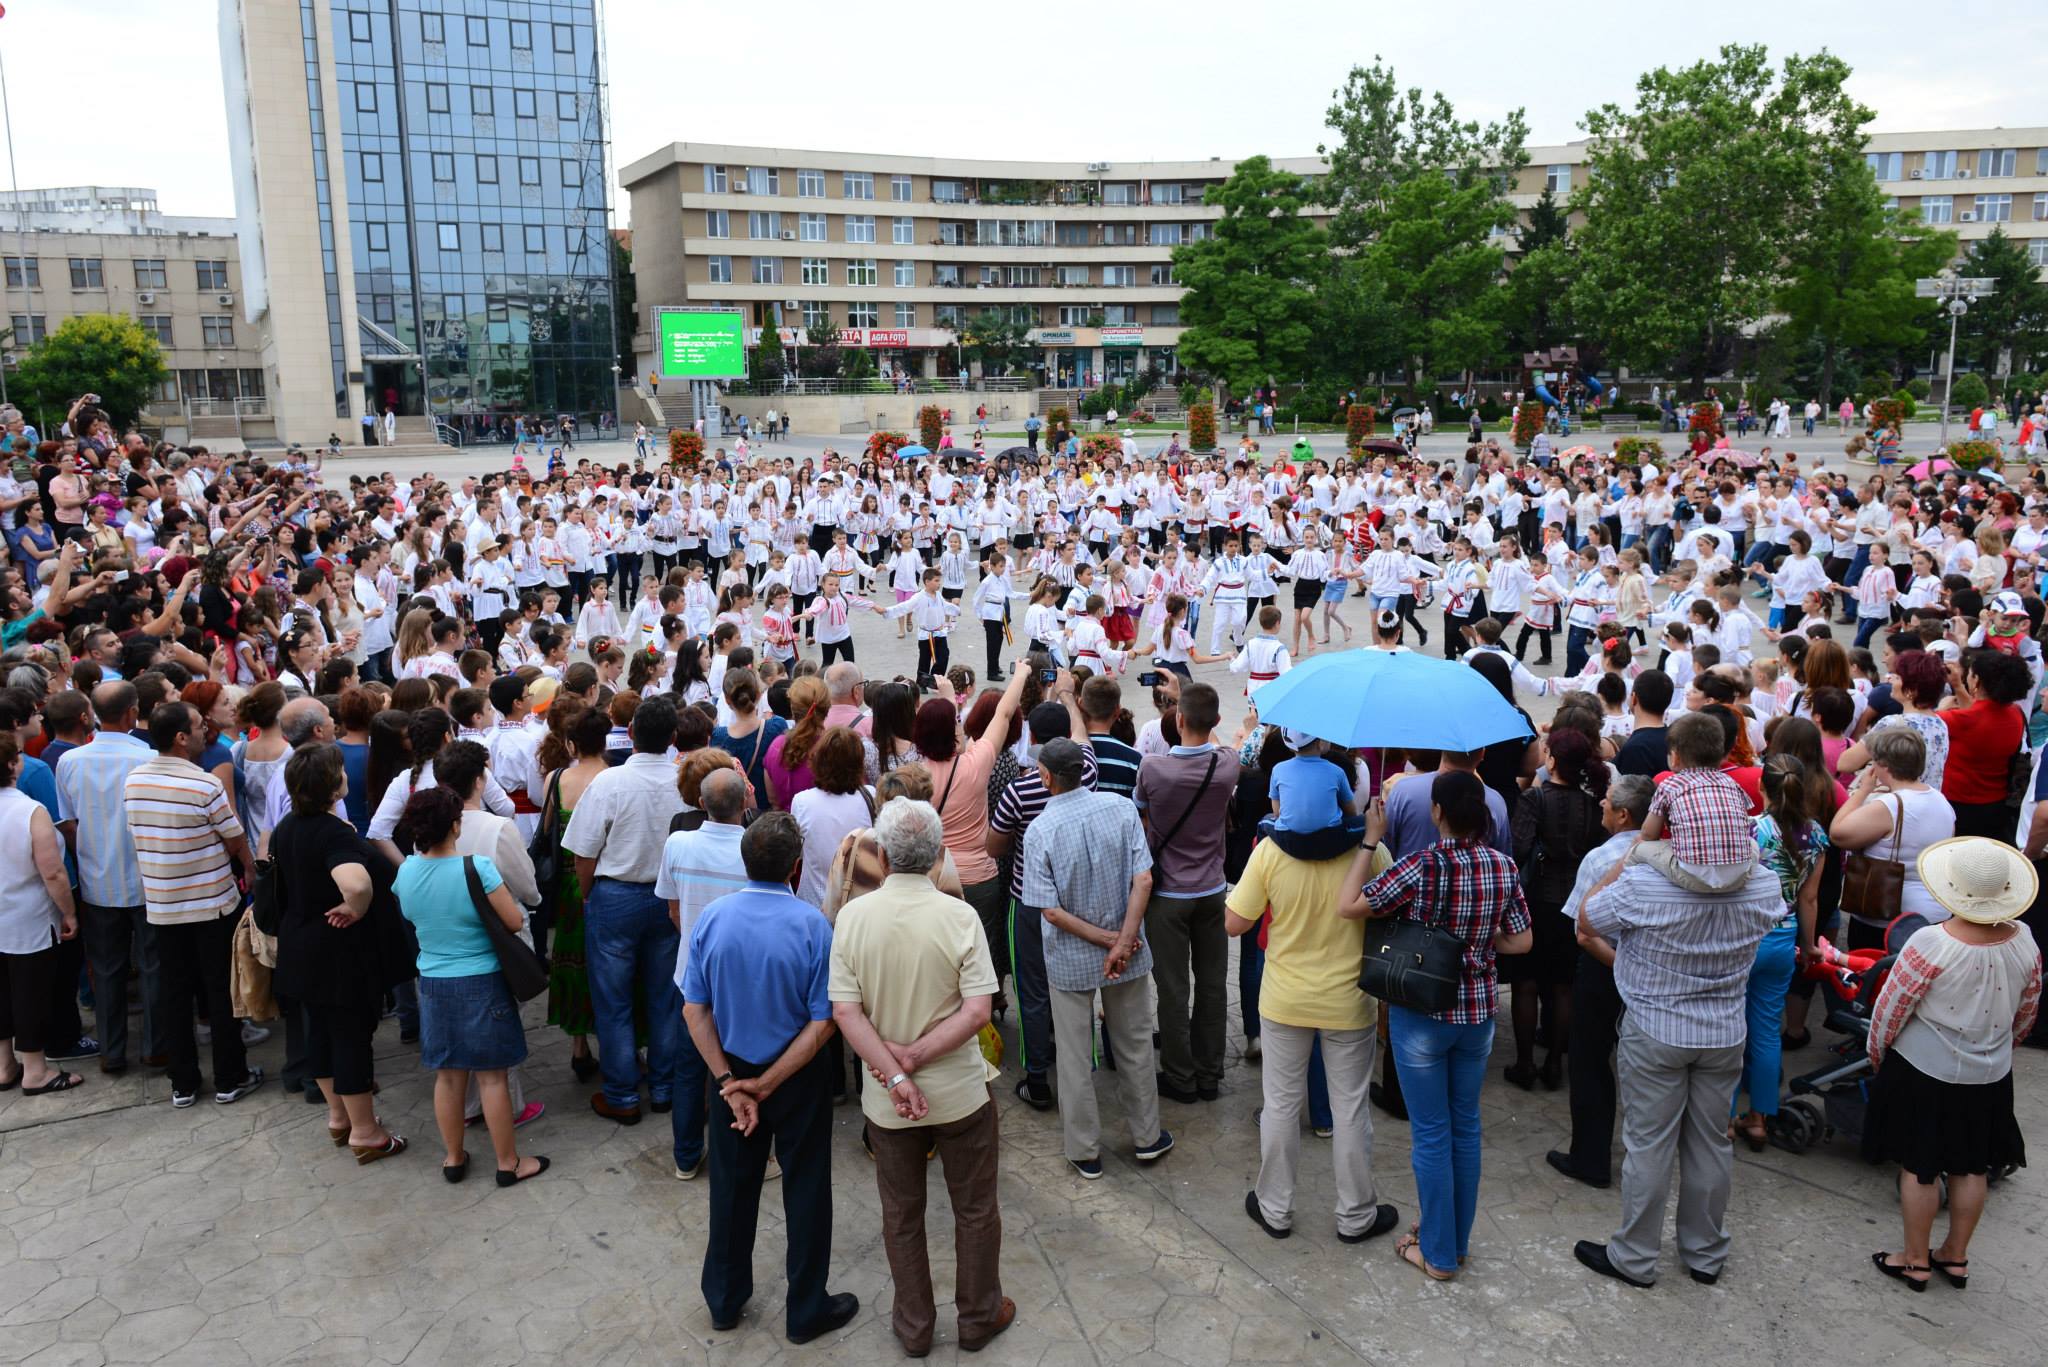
1442, 1067
1762, 1056
1857, 564
628, 940
1660, 549
686, 1121
1576, 640
1251, 971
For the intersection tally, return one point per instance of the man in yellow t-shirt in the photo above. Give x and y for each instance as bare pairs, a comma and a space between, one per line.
1310, 986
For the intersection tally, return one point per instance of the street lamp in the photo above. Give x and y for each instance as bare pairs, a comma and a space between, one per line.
615, 399
1957, 293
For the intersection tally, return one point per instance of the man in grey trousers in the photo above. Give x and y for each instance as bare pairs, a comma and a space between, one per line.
1681, 963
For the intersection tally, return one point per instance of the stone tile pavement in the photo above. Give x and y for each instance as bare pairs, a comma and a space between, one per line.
222, 1236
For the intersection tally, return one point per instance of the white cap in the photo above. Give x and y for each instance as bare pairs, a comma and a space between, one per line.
1296, 740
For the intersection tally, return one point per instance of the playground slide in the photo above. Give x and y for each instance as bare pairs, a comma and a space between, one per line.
1545, 397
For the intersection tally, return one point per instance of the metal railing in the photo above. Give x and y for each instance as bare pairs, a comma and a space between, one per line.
257, 407
917, 385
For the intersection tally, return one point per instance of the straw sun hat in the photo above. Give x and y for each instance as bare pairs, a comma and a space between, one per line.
1980, 880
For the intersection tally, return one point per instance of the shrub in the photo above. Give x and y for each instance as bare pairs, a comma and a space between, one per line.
1528, 422
1359, 420
1101, 447
1202, 426
1636, 450
1918, 387
1095, 403
1647, 412
884, 445
1057, 417
1704, 418
1969, 391
1192, 394
685, 447
1905, 405
1889, 412
1972, 454
931, 425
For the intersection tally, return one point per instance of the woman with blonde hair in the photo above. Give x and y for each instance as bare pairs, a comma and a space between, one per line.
1991, 570
415, 638
788, 765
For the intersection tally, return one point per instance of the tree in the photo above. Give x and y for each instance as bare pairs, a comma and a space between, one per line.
1438, 258
996, 340
1248, 299
91, 353
625, 298
1696, 197
2012, 322
1355, 325
1849, 280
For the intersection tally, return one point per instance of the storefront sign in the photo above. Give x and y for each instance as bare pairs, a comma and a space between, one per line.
1123, 336
1056, 336
874, 337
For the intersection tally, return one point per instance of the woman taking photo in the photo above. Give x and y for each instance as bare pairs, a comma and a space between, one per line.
469, 1022
834, 808
788, 766
259, 761
1918, 680
340, 945
1941, 1036
960, 773
1473, 891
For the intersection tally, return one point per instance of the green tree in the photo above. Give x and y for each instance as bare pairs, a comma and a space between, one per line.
1355, 325
1696, 198
91, 353
996, 340
1439, 259
625, 298
2011, 323
1249, 299
1849, 280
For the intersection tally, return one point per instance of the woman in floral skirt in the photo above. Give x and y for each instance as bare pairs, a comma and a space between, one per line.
571, 756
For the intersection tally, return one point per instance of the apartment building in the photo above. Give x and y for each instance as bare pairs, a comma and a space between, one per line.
108, 249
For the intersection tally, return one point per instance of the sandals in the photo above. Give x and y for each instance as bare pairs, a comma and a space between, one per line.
1958, 1280
63, 1082
1900, 1271
1409, 1243
372, 1153
339, 1134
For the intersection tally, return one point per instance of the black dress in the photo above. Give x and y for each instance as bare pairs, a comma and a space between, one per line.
317, 963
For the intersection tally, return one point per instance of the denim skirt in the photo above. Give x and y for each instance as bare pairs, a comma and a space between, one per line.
470, 1022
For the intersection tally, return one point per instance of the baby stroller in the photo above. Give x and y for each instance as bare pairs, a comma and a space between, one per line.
1834, 1098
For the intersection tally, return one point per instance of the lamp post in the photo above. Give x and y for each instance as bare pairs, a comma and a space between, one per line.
1957, 307
616, 415
1957, 293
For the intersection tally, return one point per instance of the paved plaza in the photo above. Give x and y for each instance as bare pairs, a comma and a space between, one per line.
132, 1232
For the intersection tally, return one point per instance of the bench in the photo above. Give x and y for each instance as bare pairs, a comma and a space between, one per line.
1620, 425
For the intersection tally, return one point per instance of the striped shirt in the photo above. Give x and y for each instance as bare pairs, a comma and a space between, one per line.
1117, 763
92, 791
1682, 959
180, 819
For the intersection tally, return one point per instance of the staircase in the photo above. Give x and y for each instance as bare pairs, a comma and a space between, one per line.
678, 407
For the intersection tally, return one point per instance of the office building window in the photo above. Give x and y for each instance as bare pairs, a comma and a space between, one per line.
572, 173
1937, 208
810, 184
862, 315
1937, 165
857, 184
1120, 315
149, 273
943, 274
899, 189
948, 315
906, 274
449, 237
817, 317
1070, 276
1997, 161
949, 191
536, 240
85, 273
1166, 315
1558, 179
1120, 192
213, 275
2040, 208
1075, 315
717, 223
862, 272
430, 29
529, 170
216, 330
767, 270
1072, 235
1163, 275
444, 165
493, 235
522, 35
523, 104
1994, 208
565, 105
902, 231
1164, 235
383, 309
358, 26
437, 97
764, 224
714, 180
816, 270
2037, 251
479, 32
1119, 234
29, 328
720, 269
1120, 276
763, 180
378, 236
24, 272
1886, 165
486, 170
906, 315
366, 97
810, 227
860, 227
373, 167
157, 325
480, 100
565, 37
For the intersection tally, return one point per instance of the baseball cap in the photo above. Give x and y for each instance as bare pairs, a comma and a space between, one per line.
2008, 603
1296, 740
1061, 757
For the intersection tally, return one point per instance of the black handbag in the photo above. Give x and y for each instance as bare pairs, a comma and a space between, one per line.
545, 849
1414, 964
524, 972
266, 898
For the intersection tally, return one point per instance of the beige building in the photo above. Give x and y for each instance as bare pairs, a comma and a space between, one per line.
106, 249
894, 252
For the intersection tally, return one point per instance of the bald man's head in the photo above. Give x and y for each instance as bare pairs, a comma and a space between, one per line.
305, 720
723, 795
115, 705
841, 680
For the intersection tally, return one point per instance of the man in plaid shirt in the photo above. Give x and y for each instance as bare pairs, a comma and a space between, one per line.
1712, 845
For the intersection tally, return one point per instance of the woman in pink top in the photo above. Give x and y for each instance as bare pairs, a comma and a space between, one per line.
788, 765
960, 770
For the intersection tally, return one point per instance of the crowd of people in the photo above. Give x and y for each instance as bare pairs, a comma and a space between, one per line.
284, 748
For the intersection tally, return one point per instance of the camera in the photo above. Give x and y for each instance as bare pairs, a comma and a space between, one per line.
1151, 678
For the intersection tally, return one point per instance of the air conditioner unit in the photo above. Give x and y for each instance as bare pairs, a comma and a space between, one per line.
1965, 173
224, 299
1916, 175
739, 187
788, 236
1098, 166
791, 304
1967, 216
146, 297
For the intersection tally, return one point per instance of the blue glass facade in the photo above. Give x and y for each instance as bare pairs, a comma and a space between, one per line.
474, 148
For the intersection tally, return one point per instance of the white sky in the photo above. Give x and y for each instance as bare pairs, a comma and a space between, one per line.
126, 92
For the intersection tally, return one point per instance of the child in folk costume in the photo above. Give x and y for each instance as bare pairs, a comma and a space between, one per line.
1042, 620
1121, 625
1263, 658
736, 605
954, 563
933, 615
832, 615
804, 570
842, 561
906, 573
1464, 585
735, 571
778, 625
699, 602
598, 617
760, 532
1175, 644
1088, 644
1541, 614
1224, 585
1309, 567
1259, 570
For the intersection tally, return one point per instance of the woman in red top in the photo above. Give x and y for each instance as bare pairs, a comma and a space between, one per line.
1984, 734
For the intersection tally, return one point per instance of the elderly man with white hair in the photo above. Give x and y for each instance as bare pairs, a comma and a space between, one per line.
911, 985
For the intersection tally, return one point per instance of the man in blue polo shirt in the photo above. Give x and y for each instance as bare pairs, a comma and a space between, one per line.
755, 1000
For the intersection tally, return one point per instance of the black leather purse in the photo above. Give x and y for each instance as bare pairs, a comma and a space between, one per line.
1414, 964
524, 971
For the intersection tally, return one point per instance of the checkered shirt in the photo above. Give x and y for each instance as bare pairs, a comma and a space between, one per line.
1080, 855
1473, 891
1706, 817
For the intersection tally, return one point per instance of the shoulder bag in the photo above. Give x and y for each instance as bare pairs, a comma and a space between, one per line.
1872, 887
524, 972
545, 849
1414, 964
1187, 812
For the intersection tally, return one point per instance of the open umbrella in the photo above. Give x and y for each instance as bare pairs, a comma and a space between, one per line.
1928, 468
910, 451
1744, 460
1378, 697
1017, 453
1404, 412
1578, 452
1382, 446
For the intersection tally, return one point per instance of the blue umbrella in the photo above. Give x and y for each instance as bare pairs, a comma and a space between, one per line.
1377, 697
906, 452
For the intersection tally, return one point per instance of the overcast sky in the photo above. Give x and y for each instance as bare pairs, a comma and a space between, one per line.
126, 92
